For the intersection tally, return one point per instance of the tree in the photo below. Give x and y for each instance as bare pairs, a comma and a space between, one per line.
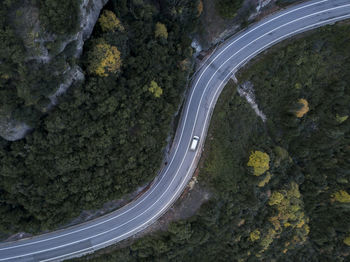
266, 180
200, 7
104, 59
340, 119
155, 89
276, 198
347, 241
259, 161
228, 8
60, 17
255, 235
268, 239
161, 31
304, 108
109, 22
342, 196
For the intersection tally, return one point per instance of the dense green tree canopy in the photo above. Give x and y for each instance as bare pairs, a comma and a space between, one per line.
60, 17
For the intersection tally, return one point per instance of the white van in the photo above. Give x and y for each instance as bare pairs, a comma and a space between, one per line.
194, 143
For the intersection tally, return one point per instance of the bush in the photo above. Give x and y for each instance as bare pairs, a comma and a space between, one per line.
59, 17
228, 8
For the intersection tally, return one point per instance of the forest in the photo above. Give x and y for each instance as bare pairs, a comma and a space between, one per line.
280, 188
107, 135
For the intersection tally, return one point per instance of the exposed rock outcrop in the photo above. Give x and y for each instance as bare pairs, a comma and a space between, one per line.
246, 90
13, 130
73, 74
44, 47
90, 10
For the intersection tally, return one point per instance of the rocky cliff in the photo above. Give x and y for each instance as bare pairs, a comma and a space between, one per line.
56, 53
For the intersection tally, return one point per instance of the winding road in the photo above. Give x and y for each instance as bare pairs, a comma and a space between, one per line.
206, 87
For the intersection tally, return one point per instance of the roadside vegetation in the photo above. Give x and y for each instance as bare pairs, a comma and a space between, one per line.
228, 8
280, 188
105, 138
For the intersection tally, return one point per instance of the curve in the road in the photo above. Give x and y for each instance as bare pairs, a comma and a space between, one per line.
209, 82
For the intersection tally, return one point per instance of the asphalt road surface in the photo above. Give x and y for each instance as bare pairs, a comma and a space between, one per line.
207, 85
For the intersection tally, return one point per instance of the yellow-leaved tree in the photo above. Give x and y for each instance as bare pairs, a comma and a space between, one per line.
255, 235
266, 180
347, 241
155, 89
340, 119
161, 31
109, 22
259, 161
304, 108
104, 59
290, 214
200, 7
275, 198
268, 239
341, 196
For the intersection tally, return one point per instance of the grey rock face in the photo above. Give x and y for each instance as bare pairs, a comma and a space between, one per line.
13, 130
246, 90
37, 49
73, 74
90, 10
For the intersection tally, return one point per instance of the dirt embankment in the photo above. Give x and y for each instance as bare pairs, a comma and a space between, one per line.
213, 27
